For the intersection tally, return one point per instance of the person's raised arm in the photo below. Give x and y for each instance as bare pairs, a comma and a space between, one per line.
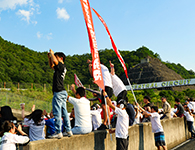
112, 71
72, 87
22, 107
108, 101
20, 130
53, 57
51, 65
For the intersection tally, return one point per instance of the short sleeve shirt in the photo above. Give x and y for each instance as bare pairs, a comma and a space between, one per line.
118, 85
155, 121
82, 111
122, 124
36, 132
58, 77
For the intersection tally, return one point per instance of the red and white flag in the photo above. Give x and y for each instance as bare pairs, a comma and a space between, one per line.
96, 69
113, 44
77, 81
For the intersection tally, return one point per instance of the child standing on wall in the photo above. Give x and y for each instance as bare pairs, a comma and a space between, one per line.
157, 128
121, 133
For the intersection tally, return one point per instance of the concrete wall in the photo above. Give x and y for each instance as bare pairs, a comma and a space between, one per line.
140, 138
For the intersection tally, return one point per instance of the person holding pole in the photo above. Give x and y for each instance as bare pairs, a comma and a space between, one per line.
108, 89
56, 62
122, 125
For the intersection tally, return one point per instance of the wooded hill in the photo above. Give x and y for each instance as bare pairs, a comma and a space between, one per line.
20, 64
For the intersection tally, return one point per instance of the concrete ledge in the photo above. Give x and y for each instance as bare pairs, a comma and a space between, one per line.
140, 138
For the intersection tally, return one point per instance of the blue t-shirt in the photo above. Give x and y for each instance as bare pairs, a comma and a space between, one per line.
51, 126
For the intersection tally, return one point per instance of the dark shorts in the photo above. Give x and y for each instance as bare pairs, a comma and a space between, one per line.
109, 91
122, 144
159, 139
122, 95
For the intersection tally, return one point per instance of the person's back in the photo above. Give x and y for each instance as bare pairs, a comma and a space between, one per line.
36, 132
82, 111
96, 118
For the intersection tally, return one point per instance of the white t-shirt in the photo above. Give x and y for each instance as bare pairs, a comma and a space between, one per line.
9, 140
36, 132
188, 116
82, 111
117, 85
155, 121
193, 103
106, 76
96, 118
190, 106
122, 123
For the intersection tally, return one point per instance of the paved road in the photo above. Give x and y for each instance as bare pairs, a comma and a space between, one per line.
187, 145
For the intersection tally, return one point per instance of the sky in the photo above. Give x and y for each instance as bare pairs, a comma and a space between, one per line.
166, 27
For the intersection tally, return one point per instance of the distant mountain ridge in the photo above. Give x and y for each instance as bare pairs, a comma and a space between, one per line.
20, 64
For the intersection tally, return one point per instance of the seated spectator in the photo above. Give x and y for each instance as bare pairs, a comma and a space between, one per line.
180, 109
9, 139
50, 123
96, 117
36, 124
190, 120
83, 123
6, 114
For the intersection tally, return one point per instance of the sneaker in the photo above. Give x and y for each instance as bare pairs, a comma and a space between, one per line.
102, 127
56, 135
69, 134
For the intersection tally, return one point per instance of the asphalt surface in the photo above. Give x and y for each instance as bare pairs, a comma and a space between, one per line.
187, 145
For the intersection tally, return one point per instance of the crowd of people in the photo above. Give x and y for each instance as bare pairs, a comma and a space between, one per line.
83, 119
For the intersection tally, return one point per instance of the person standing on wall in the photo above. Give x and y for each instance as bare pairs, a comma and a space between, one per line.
56, 62
108, 89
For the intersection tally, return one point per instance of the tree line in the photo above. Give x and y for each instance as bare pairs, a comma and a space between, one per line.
21, 64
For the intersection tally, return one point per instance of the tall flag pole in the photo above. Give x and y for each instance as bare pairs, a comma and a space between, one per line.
96, 69
116, 51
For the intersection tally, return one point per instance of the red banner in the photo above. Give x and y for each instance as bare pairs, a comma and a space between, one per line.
113, 44
77, 81
97, 73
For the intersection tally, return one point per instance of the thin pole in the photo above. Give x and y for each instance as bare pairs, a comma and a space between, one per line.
108, 117
131, 89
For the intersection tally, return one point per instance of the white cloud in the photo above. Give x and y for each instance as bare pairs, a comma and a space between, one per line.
11, 4
25, 14
60, 1
62, 14
0, 18
39, 35
49, 36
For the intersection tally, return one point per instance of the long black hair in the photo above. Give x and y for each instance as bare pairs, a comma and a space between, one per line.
6, 113
35, 116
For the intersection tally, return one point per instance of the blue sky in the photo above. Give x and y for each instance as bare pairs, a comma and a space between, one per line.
166, 27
